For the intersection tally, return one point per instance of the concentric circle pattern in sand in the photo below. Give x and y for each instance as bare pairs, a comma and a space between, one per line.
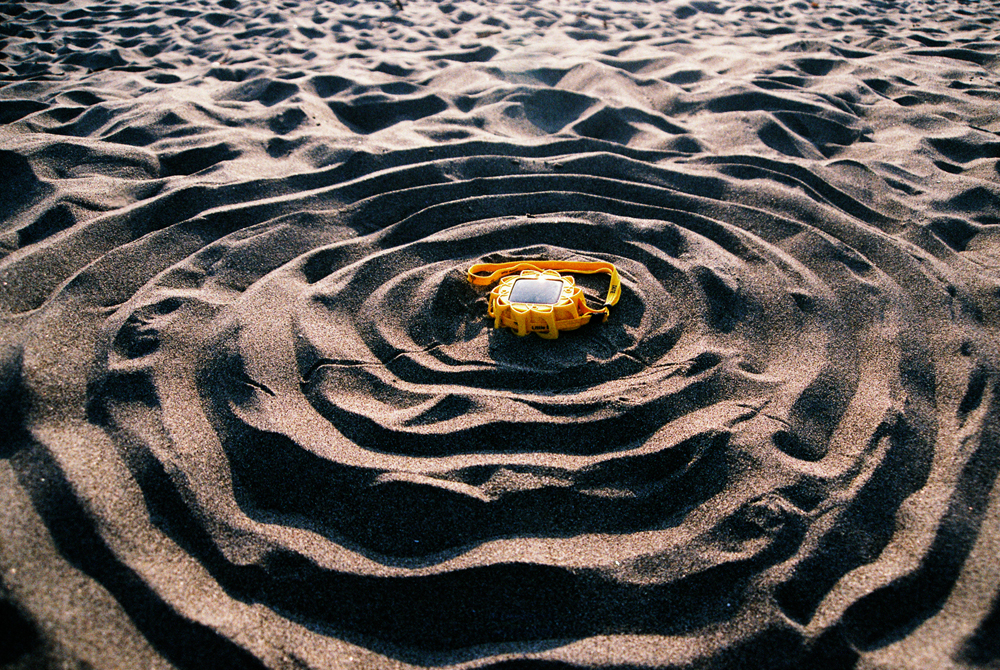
258, 411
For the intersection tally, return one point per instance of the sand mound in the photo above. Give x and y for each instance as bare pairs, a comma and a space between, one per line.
256, 416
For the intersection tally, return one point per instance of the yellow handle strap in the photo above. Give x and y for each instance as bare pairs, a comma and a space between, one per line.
482, 274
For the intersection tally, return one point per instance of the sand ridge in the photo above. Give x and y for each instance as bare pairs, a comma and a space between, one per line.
258, 418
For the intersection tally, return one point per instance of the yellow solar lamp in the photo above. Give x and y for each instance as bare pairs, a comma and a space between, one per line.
541, 296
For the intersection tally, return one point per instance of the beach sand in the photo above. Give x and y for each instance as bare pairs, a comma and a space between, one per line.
254, 415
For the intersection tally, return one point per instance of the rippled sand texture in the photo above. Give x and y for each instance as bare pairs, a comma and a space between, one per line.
255, 416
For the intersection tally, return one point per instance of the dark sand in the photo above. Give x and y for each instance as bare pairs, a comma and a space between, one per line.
253, 415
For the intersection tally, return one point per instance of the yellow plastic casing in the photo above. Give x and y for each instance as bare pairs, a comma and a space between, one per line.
567, 312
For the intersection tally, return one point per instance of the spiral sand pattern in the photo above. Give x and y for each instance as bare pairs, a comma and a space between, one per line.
259, 417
